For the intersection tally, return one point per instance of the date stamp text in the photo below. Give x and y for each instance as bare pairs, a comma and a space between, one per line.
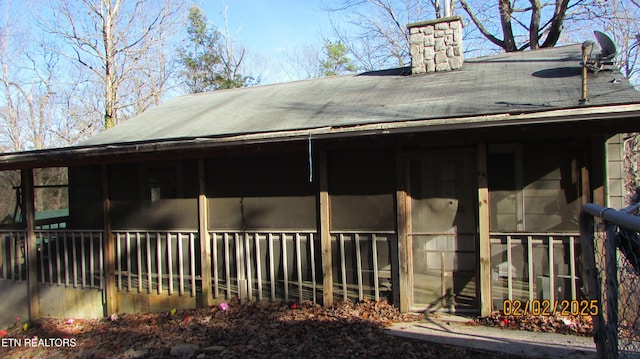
550, 308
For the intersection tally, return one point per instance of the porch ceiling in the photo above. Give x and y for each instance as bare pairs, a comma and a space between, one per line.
508, 89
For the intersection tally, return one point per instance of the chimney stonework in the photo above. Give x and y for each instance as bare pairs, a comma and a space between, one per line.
436, 45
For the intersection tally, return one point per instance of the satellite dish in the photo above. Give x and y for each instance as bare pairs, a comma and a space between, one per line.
608, 52
608, 49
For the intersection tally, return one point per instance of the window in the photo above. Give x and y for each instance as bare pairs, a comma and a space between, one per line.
162, 183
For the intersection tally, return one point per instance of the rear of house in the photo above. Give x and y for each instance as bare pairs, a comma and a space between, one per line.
442, 187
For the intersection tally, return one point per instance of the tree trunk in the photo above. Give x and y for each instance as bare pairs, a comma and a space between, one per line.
556, 23
534, 36
509, 44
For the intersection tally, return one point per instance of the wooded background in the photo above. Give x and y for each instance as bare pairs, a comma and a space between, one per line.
71, 68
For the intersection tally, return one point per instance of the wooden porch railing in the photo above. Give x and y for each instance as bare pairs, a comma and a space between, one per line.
155, 261
535, 266
13, 255
72, 258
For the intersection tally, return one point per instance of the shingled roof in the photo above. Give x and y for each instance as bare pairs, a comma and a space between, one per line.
513, 83
513, 89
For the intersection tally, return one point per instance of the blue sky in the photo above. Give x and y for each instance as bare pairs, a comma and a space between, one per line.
271, 26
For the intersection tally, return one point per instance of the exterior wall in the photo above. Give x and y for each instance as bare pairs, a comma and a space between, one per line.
616, 194
534, 186
66, 302
14, 303
361, 188
145, 303
264, 226
261, 192
132, 189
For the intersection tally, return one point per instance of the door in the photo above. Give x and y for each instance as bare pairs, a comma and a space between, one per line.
442, 231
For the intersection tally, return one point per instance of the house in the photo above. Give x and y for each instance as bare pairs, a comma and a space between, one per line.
451, 185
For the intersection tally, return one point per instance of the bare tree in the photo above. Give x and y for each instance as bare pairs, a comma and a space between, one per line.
109, 38
517, 25
380, 38
26, 86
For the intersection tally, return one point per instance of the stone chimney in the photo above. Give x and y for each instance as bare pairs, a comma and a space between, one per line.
436, 45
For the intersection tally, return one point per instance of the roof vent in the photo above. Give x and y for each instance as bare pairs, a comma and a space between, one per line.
436, 45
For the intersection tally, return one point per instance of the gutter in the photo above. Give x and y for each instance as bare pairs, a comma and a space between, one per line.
60, 156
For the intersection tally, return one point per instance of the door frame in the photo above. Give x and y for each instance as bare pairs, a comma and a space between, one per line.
403, 200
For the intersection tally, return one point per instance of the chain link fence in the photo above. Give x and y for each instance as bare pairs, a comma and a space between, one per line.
611, 244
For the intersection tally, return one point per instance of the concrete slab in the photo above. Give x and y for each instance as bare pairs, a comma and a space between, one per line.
455, 330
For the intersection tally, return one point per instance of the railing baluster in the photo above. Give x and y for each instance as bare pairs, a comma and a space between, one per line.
118, 261
159, 259
552, 285
272, 276
509, 272
299, 265
227, 266
214, 262
356, 238
92, 263
50, 260
285, 266
239, 271
139, 255
258, 265
374, 255
149, 282
83, 261
13, 254
75, 261
66, 259
128, 254
343, 267
39, 236
247, 261
180, 264
169, 262
59, 279
101, 262
530, 267
313, 265
572, 267
193, 264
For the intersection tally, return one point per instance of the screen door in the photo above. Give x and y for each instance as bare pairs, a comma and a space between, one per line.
442, 231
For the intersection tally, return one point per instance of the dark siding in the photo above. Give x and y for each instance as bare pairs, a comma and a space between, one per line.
361, 186
85, 198
261, 192
131, 205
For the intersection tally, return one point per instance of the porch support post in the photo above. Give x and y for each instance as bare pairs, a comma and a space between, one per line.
203, 233
32, 251
325, 235
404, 259
108, 249
484, 249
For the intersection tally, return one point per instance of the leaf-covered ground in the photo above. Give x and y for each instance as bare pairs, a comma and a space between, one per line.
254, 330
574, 325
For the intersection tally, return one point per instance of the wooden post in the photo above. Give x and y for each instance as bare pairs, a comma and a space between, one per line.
484, 250
108, 250
325, 235
403, 260
32, 250
203, 233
